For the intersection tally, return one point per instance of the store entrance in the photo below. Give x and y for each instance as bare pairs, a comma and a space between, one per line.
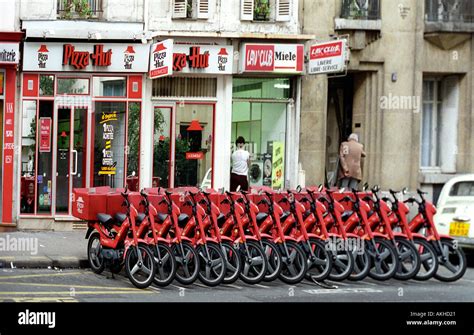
71, 153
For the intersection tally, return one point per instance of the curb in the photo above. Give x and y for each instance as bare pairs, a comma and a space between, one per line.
43, 262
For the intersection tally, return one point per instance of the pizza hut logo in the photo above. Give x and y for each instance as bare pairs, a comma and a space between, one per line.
80, 205
222, 59
159, 55
42, 56
195, 59
128, 58
326, 50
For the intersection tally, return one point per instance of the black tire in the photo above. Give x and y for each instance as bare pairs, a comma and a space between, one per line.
319, 259
294, 262
428, 259
233, 262
384, 259
362, 261
94, 249
273, 258
254, 265
342, 260
212, 264
165, 264
409, 262
141, 275
187, 269
452, 261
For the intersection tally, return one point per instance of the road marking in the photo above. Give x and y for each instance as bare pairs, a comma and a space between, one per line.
70, 286
38, 299
366, 283
343, 291
75, 293
471, 281
201, 285
262, 286
41, 275
178, 287
232, 285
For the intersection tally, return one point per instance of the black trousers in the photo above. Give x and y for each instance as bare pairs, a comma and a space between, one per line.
236, 180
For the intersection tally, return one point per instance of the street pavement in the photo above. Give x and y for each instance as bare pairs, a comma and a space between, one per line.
82, 285
52, 268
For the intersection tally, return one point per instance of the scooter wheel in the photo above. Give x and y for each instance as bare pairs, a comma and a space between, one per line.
273, 258
141, 273
254, 265
187, 261
452, 261
428, 258
384, 259
408, 259
295, 263
233, 262
342, 260
212, 264
362, 261
165, 265
319, 259
94, 249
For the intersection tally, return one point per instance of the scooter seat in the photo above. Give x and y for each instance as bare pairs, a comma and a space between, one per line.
346, 215
220, 219
139, 219
105, 219
284, 216
261, 217
182, 220
120, 218
160, 217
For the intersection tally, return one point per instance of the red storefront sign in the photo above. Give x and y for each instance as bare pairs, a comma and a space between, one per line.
161, 59
45, 134
326, 50
285, 58
195, 155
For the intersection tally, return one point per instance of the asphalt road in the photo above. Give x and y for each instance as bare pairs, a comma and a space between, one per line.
81, 285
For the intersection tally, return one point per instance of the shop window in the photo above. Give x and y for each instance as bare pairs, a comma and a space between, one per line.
133, 146
73, 86
263, 126
439, 124
28, 163
195, 9
266, 10
109, 144
258, 88
185, 87
46, 86
45, 162
193, 145
110, 86
161, 147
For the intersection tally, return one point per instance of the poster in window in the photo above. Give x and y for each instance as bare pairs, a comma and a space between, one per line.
45, 134
108, 166
278, 163
267, 169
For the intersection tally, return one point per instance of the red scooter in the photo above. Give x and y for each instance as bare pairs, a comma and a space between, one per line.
110, 248
399, 222
451, 258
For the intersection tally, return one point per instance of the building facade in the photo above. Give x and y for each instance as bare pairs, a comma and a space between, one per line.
407, 92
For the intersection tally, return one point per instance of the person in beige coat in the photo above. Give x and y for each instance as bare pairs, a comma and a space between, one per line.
351, 160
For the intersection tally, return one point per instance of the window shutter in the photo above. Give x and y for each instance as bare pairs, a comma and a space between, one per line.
448, 134
179, 8
203, 9
283, 10
246, 10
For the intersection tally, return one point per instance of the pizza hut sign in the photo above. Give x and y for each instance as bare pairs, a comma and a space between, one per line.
282, 58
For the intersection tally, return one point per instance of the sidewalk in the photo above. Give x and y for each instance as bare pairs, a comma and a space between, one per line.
24, 249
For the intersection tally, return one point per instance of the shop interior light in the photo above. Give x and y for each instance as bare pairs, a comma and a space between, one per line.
282, 86
194, 126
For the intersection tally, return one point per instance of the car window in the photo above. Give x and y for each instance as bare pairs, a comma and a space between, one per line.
462, 189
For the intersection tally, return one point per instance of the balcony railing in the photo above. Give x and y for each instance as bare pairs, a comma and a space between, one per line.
455, 11
82, 9
360, 9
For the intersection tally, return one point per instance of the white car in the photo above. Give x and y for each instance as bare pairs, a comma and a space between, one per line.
455, 210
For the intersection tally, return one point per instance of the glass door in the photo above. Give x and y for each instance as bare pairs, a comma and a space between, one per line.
162, 147
71, 153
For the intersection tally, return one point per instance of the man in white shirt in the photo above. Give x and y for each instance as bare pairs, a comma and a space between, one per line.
240, 166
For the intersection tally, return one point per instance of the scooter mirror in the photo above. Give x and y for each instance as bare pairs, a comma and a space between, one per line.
237, 189
366, 186
342, 190
320, 187
405, 190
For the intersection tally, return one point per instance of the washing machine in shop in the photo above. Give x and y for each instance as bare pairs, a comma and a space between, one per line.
256, 173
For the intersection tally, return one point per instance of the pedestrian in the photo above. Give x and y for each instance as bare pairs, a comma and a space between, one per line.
351, 160
240, 166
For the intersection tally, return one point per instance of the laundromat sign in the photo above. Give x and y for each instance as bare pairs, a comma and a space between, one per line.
281, 58
87, 57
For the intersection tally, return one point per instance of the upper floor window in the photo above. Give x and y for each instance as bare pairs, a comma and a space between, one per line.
79, 9
360, 9
449, 11
266, 10
191, 9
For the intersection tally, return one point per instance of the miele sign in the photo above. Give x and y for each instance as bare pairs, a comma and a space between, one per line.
85, 57
282, 58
